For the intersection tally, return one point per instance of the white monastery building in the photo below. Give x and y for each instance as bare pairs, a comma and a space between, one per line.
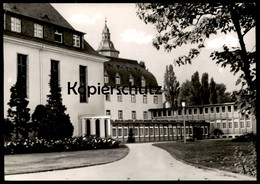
38, 41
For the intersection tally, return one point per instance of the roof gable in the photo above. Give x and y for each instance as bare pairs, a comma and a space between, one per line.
40, 11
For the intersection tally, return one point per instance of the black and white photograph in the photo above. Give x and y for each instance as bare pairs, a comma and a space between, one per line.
160, 91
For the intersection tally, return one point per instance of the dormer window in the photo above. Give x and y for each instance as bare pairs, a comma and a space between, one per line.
38, 30
58, 36
15, 24
76, 40
142, 81
118, 79
131, 80
106, 78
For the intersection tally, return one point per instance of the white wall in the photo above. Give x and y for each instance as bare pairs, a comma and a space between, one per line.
127, 106
38, 63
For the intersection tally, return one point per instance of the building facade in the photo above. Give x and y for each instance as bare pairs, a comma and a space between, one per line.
39, 44
225, 117
38, 40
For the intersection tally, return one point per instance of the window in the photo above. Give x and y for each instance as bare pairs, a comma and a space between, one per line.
15, 24
118, 79
211, 109
190, 111
224, 124
55, 71
164, 112
145, 115
133, 99
136, 131
120, 131
217, 109
133, 114
218, 125
119, 98
235, 108
22, 72
58, 36
114, 132
235, 124
155, 99
248, 123
108, 112
108, 97
195, 111
179, 112
230, 124
131, 80
38, 30
76, 40
120, 114
201, 110
169, 112
142, 81
159, 113
83, 84
141, 130
242, 124
151, 131
154, 114
229, 108
146, 131
145, 99
223, 109
125, 131
206, 110
106, 79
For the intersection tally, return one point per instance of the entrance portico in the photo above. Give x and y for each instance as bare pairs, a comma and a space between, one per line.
95, 125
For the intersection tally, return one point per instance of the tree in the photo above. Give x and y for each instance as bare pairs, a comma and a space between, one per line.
212, 92
196, 89
205, 88
18, 112
185, 93
171, 86
58, 122
186, 23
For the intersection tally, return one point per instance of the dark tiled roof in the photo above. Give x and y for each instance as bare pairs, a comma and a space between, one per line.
125, 68
40, 11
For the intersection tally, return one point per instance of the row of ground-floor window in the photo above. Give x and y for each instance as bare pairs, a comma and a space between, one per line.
143, 132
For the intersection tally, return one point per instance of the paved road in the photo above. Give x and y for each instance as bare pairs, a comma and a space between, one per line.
144, 162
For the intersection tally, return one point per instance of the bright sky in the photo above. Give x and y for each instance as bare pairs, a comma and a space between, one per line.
133, 38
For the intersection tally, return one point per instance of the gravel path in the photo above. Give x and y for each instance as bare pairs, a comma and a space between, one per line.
144, 162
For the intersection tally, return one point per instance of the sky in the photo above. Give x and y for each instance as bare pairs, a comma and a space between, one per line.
133, 38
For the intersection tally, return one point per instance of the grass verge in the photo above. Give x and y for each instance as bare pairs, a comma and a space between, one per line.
37, 162
217, 154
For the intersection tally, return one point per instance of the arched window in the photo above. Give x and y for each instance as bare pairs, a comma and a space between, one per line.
131, 80
106, 78
118, 81
143, 81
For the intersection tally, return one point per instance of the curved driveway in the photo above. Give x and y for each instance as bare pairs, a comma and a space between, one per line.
144, 162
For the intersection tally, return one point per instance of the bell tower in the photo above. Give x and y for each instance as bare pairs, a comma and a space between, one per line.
106, 46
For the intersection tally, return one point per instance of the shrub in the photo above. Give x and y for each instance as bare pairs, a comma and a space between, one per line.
248, 137
246, 163
39, 145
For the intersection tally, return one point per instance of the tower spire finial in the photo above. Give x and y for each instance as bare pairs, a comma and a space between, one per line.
106, 20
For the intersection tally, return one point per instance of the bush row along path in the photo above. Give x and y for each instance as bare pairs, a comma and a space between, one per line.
144, 162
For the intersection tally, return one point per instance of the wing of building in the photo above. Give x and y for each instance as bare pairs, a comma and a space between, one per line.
38, 41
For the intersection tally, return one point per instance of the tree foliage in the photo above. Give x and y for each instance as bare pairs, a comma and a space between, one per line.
171, 86
51, 120
18, 112
195, 93
193, 23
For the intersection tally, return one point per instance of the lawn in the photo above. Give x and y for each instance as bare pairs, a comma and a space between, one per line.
217, 154
35, 162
